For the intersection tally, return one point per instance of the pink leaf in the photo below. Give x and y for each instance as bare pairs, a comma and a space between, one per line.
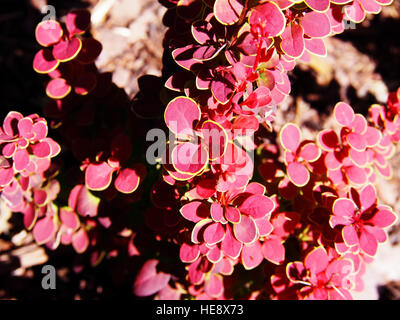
290, 136
217, 212
344, 207
69, 218
270, 17
86, 203
21, 159
368, 243
383, 218
189, 158
44, 61
6, 176
189, 253
316, 46
180, 116
149, 280
127, 180
194, 211
317, 260
58, 88
67, 50
98, 176
227, 11
48, 32
80, 240
318, 5
292, 40
274, 251
230, 246
245, 231
214, 286
356, 141
252, 255
368, 197
77, 21
344, 114
214, 233
310, 152
257, 206
298, 174
316, 24
356, 175
232, 214
350, 235
44, 230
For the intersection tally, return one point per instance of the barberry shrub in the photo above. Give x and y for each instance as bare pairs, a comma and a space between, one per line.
235, 209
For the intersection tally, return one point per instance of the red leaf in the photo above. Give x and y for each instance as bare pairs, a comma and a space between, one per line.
41, 149
91, 49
